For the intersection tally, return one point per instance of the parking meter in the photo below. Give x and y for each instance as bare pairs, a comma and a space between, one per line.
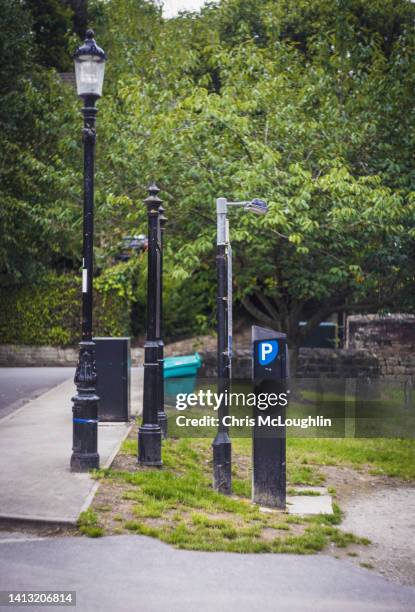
269, 374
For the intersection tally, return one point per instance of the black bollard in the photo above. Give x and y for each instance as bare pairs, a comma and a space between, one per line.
162, 416
149, 432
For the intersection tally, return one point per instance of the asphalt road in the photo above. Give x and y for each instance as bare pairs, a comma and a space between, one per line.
135, 573
19, 385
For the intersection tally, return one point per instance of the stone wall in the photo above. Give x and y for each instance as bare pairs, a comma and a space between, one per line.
21, 355
336, 363
390, 339
312, 363
376, 346
13, 355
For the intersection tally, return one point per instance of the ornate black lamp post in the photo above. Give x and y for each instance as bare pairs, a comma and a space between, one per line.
162, 416
149, 433
89, 71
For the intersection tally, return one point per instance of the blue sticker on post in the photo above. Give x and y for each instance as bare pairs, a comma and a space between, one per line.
267, 351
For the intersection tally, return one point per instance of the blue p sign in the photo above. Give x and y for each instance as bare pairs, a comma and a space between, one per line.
267, 351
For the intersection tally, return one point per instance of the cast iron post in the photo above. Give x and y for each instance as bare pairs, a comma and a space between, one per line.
162, 416
222, 446
149, 433
85, 409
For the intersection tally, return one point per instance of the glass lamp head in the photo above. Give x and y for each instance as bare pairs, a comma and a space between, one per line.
89, 67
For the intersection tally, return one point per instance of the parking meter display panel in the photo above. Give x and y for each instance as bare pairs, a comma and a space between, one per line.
270, 354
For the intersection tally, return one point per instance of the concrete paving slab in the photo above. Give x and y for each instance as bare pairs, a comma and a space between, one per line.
309, 504
35, 446
318, 502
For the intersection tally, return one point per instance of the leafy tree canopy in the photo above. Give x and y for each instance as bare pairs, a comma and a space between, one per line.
307, 104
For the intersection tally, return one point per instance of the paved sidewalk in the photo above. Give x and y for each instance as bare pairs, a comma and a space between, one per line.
20, 385
35, 448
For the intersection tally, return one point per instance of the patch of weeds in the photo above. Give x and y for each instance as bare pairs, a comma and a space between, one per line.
178, 505
303, 492
241, 487
312, 540
294, 520
133, 494
205, 527
129, 447
353, 554
304, 475
88, 524
366, 565
388, 456
327, 519
142, 528
342, 539
153, 508
101, 473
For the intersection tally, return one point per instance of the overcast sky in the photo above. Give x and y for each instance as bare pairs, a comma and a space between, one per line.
172, 7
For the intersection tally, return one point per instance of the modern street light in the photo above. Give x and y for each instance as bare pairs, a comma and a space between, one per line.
162, 416
89, 71
222, 447
149, 432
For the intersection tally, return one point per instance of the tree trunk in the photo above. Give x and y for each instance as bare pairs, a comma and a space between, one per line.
80, 18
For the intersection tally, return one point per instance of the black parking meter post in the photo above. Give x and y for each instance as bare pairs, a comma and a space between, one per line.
270, 372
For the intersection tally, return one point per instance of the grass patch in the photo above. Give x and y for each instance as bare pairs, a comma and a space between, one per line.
392, 457
88, 524
307, 493
177, 504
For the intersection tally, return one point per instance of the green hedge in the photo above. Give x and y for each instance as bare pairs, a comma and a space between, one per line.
49, 312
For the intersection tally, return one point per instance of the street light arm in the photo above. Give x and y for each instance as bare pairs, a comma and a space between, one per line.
244, 203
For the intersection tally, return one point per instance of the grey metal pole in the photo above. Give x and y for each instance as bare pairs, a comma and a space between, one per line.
222, 446
229, 301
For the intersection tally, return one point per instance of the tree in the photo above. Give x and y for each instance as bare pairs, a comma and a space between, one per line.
301, 125
51, 23
307, 104
35, 114
80, 16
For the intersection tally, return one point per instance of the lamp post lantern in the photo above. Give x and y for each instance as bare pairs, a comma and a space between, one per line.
221, 445
89, 71
149, 432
